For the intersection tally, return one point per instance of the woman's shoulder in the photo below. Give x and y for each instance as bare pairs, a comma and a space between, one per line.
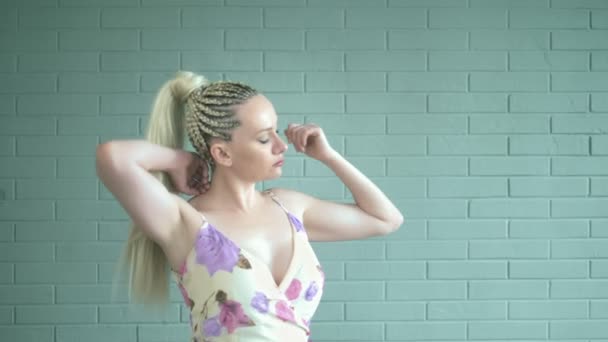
295, 201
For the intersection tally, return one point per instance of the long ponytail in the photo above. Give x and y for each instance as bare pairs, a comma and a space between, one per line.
143, 262
188, 104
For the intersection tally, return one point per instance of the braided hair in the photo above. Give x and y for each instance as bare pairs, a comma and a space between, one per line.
186, 104
210, 114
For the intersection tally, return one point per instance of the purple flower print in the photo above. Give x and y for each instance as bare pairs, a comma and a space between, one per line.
293, 291
232, 315
296, 223
215, 251
260, 302
212, 327
311, 291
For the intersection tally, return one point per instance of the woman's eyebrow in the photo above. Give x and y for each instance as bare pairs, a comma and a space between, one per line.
265, 129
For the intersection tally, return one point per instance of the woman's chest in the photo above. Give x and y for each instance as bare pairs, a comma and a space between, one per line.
270, 247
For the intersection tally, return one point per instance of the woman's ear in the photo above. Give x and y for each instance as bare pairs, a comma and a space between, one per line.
221, 154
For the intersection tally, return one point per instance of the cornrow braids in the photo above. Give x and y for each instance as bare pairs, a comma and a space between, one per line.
210, 114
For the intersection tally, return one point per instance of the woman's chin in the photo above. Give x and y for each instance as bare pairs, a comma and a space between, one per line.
277, 172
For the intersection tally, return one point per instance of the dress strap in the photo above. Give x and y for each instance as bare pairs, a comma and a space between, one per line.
272, 195
276, 199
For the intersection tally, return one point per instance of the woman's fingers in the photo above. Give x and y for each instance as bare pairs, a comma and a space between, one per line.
304, 137
295, 134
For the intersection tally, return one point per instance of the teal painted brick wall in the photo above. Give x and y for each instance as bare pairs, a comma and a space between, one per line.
484, 120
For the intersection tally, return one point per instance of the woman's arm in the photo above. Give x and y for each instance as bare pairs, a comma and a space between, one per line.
372, 213
366, 194
150, 156
123, 167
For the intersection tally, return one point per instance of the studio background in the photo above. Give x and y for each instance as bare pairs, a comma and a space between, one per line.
483, 120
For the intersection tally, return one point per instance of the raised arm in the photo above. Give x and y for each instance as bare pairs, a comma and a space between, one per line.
123, 166
372, 213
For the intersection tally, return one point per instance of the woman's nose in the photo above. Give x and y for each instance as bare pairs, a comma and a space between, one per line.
282, 146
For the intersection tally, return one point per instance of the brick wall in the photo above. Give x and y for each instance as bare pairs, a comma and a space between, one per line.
483, 120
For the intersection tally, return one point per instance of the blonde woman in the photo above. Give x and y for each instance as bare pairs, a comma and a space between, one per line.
241, 258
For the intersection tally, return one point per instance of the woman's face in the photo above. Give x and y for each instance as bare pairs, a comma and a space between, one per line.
256, 146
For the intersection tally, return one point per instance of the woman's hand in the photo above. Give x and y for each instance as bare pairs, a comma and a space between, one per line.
309, 139
191, 174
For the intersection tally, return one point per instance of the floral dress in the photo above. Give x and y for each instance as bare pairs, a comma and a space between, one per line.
232, 296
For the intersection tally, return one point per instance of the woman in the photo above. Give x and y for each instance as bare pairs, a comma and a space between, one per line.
241, 257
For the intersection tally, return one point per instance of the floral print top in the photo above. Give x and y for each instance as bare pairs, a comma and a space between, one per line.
232, 296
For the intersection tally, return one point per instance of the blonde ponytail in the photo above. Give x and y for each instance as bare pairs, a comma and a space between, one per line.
143, 261
190, 104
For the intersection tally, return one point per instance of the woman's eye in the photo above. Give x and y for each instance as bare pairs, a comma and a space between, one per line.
265, 141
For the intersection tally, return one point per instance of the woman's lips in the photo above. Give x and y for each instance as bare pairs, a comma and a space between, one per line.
279, 163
